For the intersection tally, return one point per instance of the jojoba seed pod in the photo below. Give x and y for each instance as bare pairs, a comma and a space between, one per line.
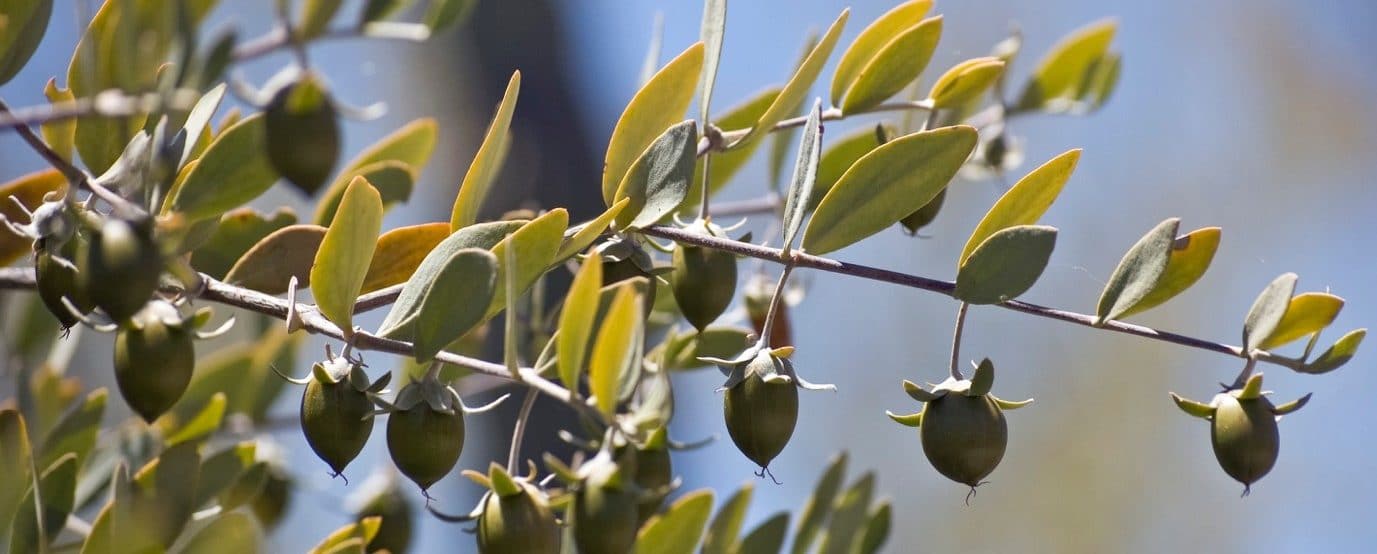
964, 437
925, 215
703, 282
332, 418
605, 513
273, 499
154, 360
425, 443
302, 134
520, 523
58, 280
121, 266
1245, 438
654, 472
761, 416
395, 531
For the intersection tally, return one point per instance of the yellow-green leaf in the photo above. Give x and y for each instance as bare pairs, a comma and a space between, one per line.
364, 529
894, 67
237, 232
1026, 201
205, 422
345, 253
886, 185
61, 134
21, 29
536, 242
399, 253
1138, 272
234, 170
76, 432
28, 190
766, 538
15, 451
1059, 76
657, 182
660, 103
1337, 355
314, 16
965, 82
848, 516
839, 157
443, 14
1006, 265
393, 179
682, 351
271, 263
1307, 314
871, 41
230, 533
819, 505
589, 232
613, 349
725, 164
876, 530
57, 495
722, 534
487, 162
411, 145
1191, 255
679, 528
793, 93
576, 321
1267, 311
455, 301
400, 319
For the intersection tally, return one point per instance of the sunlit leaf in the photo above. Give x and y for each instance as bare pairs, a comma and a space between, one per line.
234, 170
965, 82
486, 163
57, 494
793, 93
840, 154
410, 145
222, 469
819, 505
590, 232
29, 191
725, 164
313, 16
1307, 314
1059, 75
658, 180
393, 179
197, 125
1025, 202
896, 65
364, 529
1267, 311
203, 424
576, 321
710, 33
886, 185
679, 528
341, 263
659, 104
536, 243
1191, 255
400, 320
238, 231
779, 146
1006, 265
60, 134
400, 251
285, 253
1138, 272
871, 41
613, 348
1337, 355
722, 534
455, 301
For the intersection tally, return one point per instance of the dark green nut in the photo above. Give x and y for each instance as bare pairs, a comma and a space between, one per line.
424, 442
654, 473
1243, 429
389, 503
761, 407
605, 507
121, 266
336, 412
56, 274
154, 359
515, 518
303, 133
703, 279
273, 499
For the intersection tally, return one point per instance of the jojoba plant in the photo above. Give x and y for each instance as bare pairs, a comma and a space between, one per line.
144, 220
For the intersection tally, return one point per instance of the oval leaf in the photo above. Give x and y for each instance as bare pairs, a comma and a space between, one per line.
682, 351
1006, 265
886, 185
23, 28
399, 321
455, 301
1307, 314
1060, 74
411, 145
659, 104
204, 423
487, 162
399, 253
393, 179
613, 349
76, 432
679, 528
1138, 272
1267, 311
657, 183
536, 242
576, 321
726, 525
819, 505
234, 170
1191, 255
1026, 201
839, 157
341, 263
894, 67
766, 538
1337, 355
285, 253
230, 533
876, 529
238, 231
793, 93
964, 82
871, 41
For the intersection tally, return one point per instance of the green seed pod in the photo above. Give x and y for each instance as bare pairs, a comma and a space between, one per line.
425, 443
303, 133
389, 503
1245, 438
964, 437
334, 410
654, 473
605, 513
762, 409
121, 266
154, 359
925, 215
518, 523
57, 278
273, 499
703, 280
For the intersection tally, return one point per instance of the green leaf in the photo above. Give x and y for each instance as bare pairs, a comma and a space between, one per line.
679, 528
378, 10
876, 529
1267, 311
443, 14
57, 495
726, 526
613, 349
1025, 202
576, 321
1306, 314
233, 171
61, 134
766, 538
487, 162
710, 33
205, 422
1337, 355
399, 321
894, 67
76, 432
22, 28
1191, 255
681, 351
285, 253
169, 482
342, 262
848, 517
221, 469
659, 179
659, 104
1006, 265
1060, 74
15, 451
779, 146
589, 232
839, 157
410, 145
886, 185
536, 242
871, 41
965, 82
800, 193
793, 93
1138, 272
394, 180
455, 302
400, 251
364, 529
28, 190
819, 505
238, 231
725, 164
313, 17
230, 533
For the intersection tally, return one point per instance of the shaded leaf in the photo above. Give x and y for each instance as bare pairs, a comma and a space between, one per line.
411, 145
779, 147
590, 232
876, 530
800, 192
1306, 314
678, 529
819, 505
1138, 272
965, 82
230, 533
1025, 202
22, 29
285, 253
399, 321
848, 517
313, 16
76, 432
443, 14
400, 251
455, 301
487, 162
1337, 355
1191, 255
886, 185
203, 424
237, 232
1006, 265
613, 349
536, 243
576, 321
658, 180
220, 470
345, 253
722, 535
658, 105
233, 170
793, 93
15, 451
1060, 73
681, 351
871, 41
28, 190
392, 178
766, 538
1267, 311
894, 67
57, 495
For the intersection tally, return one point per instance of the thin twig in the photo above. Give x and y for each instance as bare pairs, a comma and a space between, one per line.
519, 430
728, 138
74, 175
956, 341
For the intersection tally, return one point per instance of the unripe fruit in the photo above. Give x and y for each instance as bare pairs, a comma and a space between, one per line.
964, 437
121, 266
520, 523
395, 531
302, 134
273, 499
57, 278
604, 511
761, 410
654, 472
425, 443
1245, 438
154, 359
703, 280
333, 413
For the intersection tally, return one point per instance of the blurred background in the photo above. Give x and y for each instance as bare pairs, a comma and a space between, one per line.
1252, 115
